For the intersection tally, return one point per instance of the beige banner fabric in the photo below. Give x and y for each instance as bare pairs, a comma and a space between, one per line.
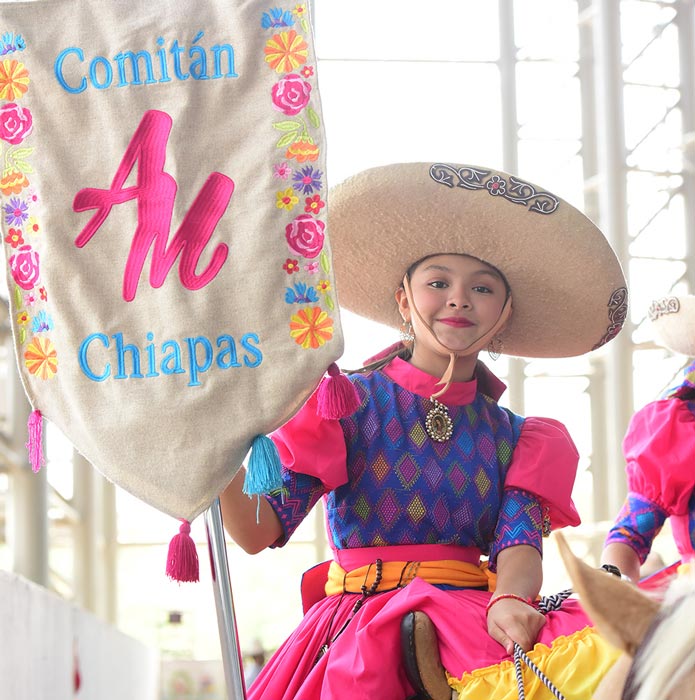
163, 208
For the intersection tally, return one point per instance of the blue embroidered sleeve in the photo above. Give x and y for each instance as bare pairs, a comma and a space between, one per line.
637, 524
300, 493
520, 521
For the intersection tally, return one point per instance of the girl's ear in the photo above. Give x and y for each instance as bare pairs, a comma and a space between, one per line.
402, 301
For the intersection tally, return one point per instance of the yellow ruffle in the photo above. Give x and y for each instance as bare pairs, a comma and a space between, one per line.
575, 664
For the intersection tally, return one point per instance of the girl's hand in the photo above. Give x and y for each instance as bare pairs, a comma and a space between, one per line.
511, 620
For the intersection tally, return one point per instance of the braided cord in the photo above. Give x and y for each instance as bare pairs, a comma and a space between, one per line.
545, 605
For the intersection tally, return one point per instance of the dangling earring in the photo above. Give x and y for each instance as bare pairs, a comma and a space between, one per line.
494, 348
406, 332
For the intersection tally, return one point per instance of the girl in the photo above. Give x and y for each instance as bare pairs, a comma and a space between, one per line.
437, 497
659, 449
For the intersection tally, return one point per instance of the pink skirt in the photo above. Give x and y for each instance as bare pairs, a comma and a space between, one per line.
364, 662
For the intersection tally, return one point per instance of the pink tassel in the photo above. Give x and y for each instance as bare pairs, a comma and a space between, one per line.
35, 443
337, 396
182, 560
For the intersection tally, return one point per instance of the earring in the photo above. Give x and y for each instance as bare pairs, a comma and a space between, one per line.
406, 332
494, 348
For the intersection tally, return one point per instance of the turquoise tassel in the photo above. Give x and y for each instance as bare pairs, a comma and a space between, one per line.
263, 474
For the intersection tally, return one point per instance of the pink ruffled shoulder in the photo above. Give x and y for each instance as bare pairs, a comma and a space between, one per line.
659, 449
309, 444
545, 464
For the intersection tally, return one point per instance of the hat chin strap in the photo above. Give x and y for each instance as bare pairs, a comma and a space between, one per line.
476, 346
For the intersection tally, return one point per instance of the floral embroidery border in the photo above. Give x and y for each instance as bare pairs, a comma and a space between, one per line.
302, 183
18, 203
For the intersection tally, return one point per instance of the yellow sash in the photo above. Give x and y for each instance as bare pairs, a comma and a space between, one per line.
397, 574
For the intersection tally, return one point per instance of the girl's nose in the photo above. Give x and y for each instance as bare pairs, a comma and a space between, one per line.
459, 302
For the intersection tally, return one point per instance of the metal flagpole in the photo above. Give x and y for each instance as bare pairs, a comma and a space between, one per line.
226, 621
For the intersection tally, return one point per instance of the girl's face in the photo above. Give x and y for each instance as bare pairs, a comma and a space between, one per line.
459, 297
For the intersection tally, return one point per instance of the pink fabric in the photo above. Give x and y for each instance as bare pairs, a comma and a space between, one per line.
659, 449
545, 464
361, 556
364, 662
309, 444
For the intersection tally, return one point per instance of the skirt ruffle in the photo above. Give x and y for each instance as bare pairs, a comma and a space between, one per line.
364, 662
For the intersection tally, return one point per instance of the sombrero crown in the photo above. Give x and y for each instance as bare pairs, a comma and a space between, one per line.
568, 289
673, 319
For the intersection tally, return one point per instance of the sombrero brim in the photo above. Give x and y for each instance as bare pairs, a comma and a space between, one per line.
568, 289
673, 319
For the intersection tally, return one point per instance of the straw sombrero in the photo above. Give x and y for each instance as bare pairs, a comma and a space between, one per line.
673, 319
568, 289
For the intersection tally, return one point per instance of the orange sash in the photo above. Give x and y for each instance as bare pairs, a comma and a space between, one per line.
397, 574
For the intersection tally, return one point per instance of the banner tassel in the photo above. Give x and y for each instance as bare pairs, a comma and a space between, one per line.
337, 397
263, 474
35, 443
182, 559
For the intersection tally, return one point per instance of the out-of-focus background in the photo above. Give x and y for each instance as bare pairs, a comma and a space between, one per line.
593, 99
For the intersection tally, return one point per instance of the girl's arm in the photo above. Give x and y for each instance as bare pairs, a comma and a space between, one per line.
624, 557
251, 523
520, 572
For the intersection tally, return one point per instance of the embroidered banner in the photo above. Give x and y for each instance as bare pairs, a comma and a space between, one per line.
163, 203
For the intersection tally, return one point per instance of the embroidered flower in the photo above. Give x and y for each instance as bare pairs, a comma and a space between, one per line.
30, 299
43, 294
312, 267
324, 286
277, 17
281, 171
16, 212
286, 200
22, 318
314, 204
14, 79
291, 94
14, 237
32, 196
33, 225
299, 10
311, 328
13, 182
496, 185
286, 51
10, 43
307, 71
305, 235
301, 294
307, 180
24, 266
303, 151
15, 123
41, 358
42, 323
291, 266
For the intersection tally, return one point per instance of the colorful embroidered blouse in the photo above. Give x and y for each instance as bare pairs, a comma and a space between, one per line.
386, 483
659, 449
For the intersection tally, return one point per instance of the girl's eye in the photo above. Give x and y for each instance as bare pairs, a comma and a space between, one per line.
438, 284
482, 289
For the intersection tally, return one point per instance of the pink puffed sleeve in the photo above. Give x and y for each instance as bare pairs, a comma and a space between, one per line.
659, 449
545, 464
311, 445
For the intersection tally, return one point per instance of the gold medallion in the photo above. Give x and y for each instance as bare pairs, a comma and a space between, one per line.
438, 422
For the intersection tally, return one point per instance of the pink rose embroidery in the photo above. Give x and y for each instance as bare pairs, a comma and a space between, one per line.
15, 123
291, 94
24, 266
305, 235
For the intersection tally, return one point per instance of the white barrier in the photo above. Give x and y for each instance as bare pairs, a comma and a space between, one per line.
52, 650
